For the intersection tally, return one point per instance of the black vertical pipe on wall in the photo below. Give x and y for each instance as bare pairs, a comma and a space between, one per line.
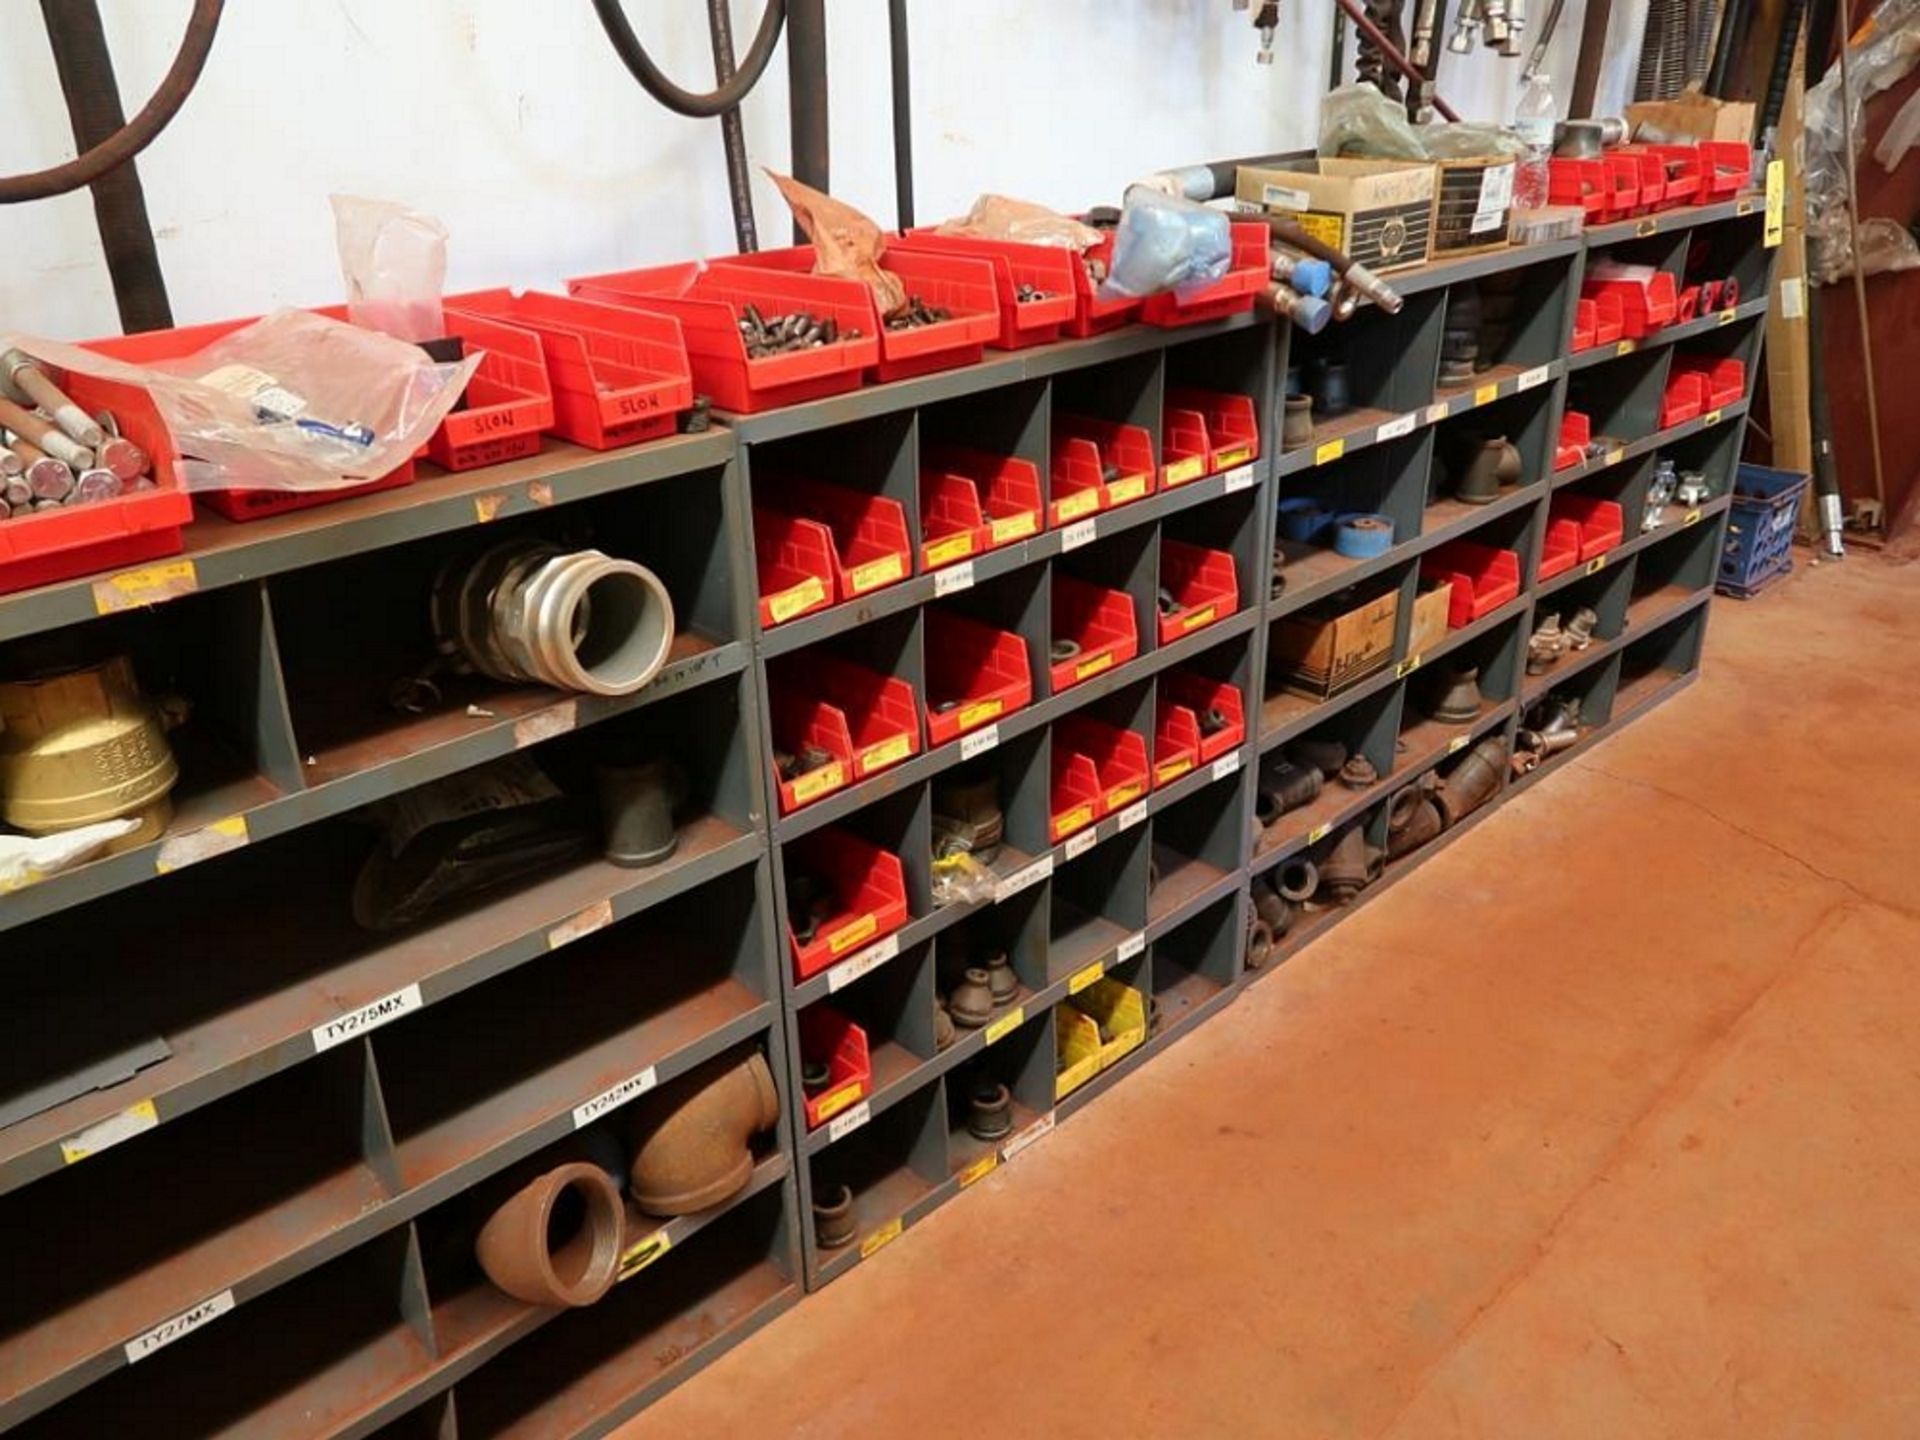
902, 113
733, 139
119, 204
807, 92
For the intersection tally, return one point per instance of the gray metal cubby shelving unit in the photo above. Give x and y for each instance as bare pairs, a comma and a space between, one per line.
268, 1232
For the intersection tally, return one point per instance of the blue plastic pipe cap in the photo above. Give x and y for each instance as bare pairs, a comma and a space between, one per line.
1311, 313
1312, 277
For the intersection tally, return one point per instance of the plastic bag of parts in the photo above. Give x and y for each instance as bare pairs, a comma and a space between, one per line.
291, 402
1166, 243
394, 261
961, 879
1000, 217
1358, 120
1470, 141
845, 242
1888, 47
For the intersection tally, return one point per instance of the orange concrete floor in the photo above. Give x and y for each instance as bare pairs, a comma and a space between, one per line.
1604, 1124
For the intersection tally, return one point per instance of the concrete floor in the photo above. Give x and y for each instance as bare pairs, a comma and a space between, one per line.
1605, 1124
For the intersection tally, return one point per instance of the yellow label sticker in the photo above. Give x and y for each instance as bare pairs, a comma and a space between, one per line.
132, 589
1458, 742
947, 550
1330, 451
804, 596
1626, 347
1726, 315
1487, 394
1194, 619
979, 1169
1121, 796
1773, 227
1692, 517
1596, 564
852, 933
486, 507
1648, 226
831, 1104
1102, 661
1015, 527
816, 783
1074, 506
1712, 417
881, 1238
1172, 769
1179, 472
1126, 488
886, 752
1006, 1024
980, 712
109, 1132
643, 1252
1616, 455
190, 847
1319, 832
1231, 456
1081, 979
1068, 821
1406, 667
875, 573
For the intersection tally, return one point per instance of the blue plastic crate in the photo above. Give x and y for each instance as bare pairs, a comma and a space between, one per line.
1759, 548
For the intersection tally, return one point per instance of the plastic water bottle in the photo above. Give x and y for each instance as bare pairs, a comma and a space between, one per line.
1533, 121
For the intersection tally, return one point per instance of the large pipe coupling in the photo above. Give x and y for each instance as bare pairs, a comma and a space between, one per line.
528, 611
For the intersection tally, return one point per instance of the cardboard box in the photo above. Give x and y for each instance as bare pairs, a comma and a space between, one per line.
1379, 211
1471, 202
1429, 616
1329, 646
1699, 116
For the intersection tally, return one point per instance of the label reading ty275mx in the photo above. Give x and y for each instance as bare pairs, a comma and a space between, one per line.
370, 1016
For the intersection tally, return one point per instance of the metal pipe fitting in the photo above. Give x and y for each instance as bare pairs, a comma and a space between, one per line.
25, 383
39, 430
527, 611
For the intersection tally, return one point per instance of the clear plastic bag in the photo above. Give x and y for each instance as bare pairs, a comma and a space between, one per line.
1358, 120
962, 880
1166, 243
294, 401
1888, 47
1000, 217
394, 261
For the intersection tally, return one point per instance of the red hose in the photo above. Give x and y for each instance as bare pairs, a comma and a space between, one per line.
1387, 48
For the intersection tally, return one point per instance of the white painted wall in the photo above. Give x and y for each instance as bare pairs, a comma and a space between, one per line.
513, 121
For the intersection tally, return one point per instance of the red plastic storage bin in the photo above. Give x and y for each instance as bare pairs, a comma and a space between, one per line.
1099, 622
1047, 269
709, 303
1011, 502
508, 403
1726, 168
1559, 548
1576, 433
1201, 695
1074, 487
1578, 182
1610, 320
1202, 582
804, 721
1073, 793
866, 721
1119, 758
1586, 325
1176, 739
1621, 184
1483, 578
1684, 172
952, 525
836, 1042
1686, 304
960, 284
975, 675
1723, 379
1185, 452
1684, 398
871, 546
618, 375
1127, 449
1233, 430
152, 345
1652, 178
1093, 314
1231, 294
869, 889
1601, 524
1645, 305
794, 559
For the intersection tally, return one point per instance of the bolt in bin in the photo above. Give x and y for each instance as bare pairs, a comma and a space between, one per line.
1202, 584
1599, 525
1483, 578
864, 885
1119, 757
795, 564
1009, 489
710, 303
1176, 739
1097, 623
1073, 795
619, 376
1044, 271
1126, 454
975, 675
1760, 520
871, 549
1232, 429
1231, 294
960, 284
831, 1039
1204, 696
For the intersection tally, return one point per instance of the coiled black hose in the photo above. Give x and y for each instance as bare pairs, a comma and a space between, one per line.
723, 97
1782, 68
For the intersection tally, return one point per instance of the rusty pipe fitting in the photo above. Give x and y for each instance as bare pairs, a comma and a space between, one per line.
557, 1240
694, 1137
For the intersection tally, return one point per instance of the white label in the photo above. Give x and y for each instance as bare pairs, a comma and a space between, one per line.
953, 579
183, 1324
545, 724
1530, 378
978, 742
1496, 187
1020, 880
1284, 197
1792, 298
1081, 532
1394, 429
1238, 478
852, 968
105, 1134
1227, 764
1078, 845
1133, 814
1039, 1130
614, 1098
848, 1121
1436, 412
370, 1016
1130, 947
1485, 220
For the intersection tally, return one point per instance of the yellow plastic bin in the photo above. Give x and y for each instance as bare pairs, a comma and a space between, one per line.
1093, 1029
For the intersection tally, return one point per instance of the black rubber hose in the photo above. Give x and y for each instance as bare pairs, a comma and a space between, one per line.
1782, 68
902, 112
1733, 32
733, 138
726, 96
135, 136
1826, 476
80, 54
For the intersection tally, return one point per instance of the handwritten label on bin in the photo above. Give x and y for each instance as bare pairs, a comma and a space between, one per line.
1133, 945
953, 579
1081, 532
978, 742
179, 1327
1238, 478
1394, 429
133, 589
613, 1097
848, 1121
370, 1016
869, 959
105, 1134
1530, 378
1078, 845
1227, 764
